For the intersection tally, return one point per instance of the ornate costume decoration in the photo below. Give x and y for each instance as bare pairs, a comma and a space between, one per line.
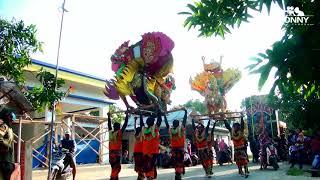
142, 71
213, 83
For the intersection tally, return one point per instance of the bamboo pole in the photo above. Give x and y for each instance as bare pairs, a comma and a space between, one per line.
219, 113
19, 141
33, 141
17, 137
40, 161
87, 144
278, 123
147, 106
40, 154
55, 88
175, 110
87, 116
219, 119
89, 133
100, 147
34, 121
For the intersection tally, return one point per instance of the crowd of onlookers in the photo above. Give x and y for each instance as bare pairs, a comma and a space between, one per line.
303, 149
296, 147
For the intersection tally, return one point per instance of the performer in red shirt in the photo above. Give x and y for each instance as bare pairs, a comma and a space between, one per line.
150, 149
239, 141
115, 146
178, 137
137, 152
201, 135
210, 144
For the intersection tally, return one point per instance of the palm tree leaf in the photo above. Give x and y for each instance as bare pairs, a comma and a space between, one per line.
265, 71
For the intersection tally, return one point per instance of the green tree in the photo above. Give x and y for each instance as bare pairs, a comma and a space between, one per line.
17, 42
295, 56
116, 117
196, 105
46, 95
297, 110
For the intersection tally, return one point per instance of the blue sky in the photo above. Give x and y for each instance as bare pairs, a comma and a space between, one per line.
94, 29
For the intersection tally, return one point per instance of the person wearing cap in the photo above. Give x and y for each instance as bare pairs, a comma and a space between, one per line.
6, 145
177, 134
115, 145
151, 143
69, 144
201, 135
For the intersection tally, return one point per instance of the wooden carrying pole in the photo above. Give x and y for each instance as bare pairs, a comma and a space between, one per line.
174, 110
85, 116
219, 116
19, 141
219, 113
219, 119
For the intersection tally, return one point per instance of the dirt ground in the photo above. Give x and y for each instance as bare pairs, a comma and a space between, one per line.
226, 172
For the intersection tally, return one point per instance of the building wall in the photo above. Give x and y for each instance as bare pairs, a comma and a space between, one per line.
29, 131
129, 135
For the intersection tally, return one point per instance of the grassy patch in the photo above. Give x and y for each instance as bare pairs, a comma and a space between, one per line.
295, 172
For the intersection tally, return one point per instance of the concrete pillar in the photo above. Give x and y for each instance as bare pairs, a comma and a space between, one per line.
28, 160
48, 115
73, 127
67, 126
104, 137
131, 143
56, 132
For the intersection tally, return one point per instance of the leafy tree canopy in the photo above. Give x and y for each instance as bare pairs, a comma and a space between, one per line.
17, 42
295, 56
46, 95
196, 105
116, 117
